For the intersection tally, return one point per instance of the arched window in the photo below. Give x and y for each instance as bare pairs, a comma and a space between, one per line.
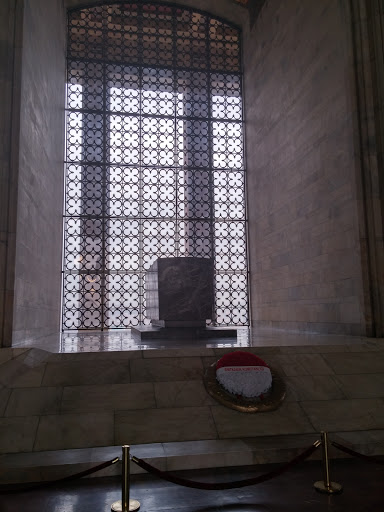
154, 159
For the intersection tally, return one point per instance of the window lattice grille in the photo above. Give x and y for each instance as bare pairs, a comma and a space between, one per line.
154, 159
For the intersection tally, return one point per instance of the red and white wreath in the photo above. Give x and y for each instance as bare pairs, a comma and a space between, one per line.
242, 373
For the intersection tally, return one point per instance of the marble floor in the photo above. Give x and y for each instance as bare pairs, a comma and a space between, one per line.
123, 340
291, 492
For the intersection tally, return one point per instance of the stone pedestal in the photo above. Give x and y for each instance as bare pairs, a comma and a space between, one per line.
181, 333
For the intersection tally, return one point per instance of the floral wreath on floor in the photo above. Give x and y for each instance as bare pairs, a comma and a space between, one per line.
243, 381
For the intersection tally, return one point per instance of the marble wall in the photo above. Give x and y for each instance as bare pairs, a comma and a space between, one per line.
307, 268
32, 131
37, 288
368, 37
11, 22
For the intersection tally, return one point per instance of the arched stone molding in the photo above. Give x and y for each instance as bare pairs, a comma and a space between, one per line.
226, 9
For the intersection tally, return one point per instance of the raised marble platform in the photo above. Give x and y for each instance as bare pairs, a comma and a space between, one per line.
64, 402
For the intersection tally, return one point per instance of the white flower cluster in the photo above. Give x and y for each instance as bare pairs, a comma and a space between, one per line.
248, 381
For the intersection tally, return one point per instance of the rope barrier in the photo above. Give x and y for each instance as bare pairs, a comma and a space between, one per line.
69, 478
367, 458
170, 477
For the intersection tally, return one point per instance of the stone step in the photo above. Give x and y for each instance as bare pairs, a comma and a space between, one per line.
51, 465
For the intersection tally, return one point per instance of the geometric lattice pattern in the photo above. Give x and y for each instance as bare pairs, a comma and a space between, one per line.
154, 159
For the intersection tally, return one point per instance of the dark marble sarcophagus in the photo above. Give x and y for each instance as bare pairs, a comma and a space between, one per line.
179, 292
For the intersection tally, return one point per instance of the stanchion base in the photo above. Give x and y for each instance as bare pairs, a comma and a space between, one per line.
334, 488
117, 506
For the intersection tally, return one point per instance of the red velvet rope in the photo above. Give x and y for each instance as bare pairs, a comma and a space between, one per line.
170, 477
75, 476
367, 458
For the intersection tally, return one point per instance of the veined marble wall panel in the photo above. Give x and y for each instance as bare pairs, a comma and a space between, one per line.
305, 259
40, 183
368, 39
11, 21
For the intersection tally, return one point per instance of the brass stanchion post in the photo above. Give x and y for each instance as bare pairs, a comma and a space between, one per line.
125, 504
325, 485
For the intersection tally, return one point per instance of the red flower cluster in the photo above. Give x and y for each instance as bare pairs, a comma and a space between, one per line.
240, 358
